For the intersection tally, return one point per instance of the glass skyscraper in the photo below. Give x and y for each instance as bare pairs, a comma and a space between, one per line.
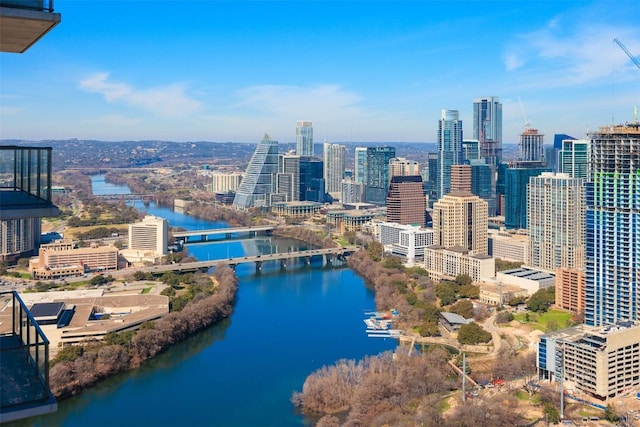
360, 168
573, 158
487, 128
613, 226
516, 179
304, 138
257, 186
334, 158
377, 174
449, 148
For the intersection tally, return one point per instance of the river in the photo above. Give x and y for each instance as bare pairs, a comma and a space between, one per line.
285, 325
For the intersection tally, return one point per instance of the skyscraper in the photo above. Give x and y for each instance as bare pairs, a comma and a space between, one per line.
288, 177
360, 168
613, 226
406, 203
531, 146
377, 174
487, 128
311, 179
399, 166
516, 179
555, 219
460, 219
257, 186
449, 148
573, 158
304, 138
334, 157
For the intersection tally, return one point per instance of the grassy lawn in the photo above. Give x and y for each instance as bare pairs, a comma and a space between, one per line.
551, 320
146, 290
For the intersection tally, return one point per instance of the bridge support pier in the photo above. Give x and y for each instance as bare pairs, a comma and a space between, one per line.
307, 260
283, 263
233, 266
258, 265
329, 258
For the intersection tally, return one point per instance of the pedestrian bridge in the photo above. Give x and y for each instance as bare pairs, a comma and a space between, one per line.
194, 236
283, 258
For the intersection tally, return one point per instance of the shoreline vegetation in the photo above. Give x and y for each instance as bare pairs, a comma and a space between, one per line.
76, 368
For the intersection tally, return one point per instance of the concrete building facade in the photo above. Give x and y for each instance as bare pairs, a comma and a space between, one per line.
460, 219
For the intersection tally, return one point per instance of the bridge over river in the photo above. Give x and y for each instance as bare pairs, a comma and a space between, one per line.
283, 258
194, 236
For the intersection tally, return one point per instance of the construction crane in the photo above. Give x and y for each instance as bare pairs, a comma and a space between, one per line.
527, 123
633, 58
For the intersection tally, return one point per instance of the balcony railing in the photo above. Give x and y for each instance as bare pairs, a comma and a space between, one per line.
31, 337
39, 5
26, 170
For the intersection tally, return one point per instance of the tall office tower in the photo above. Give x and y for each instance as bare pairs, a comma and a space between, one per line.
461, 178
470, 150
288, 177
334, 156
531, 146
449, 148
352, 191
460, 219
257, 186
431, 184
360, 167
487, 128
482, 184
573, 158
613, 226
406, 203
555, 219
516, 179
377, 174
151, 234
553, 163
399, 166
304, 138
311, 179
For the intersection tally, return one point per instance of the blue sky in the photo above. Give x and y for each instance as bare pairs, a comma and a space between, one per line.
360, 70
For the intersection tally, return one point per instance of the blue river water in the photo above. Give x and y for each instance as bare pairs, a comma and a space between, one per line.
286, 324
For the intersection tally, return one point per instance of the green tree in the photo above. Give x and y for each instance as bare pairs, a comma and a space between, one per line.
463, 307
473, 333
375, 250
551, 413
469, 291
610, 414
429, 328
446, 294
463, 279
541, 300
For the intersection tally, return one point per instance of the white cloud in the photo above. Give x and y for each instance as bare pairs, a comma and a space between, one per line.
167, 101
573, 49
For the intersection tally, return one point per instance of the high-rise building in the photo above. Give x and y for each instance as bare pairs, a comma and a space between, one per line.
352, 191
555, 219
258, 183
613, 226
288, 177
399, 166
487, 128
151, 234
311, 180
304, 138
483, 184
470, 150
431, 184
573, 158
461, 178
531, 146
225, 182
334, 165
377, 174
516, 179
460, 219
406, 203
551, 156
449, 148
360, 167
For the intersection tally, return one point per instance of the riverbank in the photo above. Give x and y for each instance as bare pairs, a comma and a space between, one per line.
83, 366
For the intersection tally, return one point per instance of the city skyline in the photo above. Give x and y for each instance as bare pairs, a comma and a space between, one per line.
231, 71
